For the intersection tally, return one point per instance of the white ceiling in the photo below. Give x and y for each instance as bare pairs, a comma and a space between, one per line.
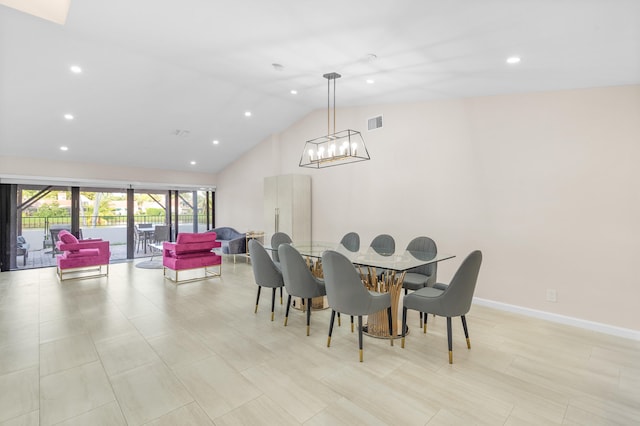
151, 67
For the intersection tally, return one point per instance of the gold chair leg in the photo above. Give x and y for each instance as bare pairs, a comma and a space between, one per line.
450, 357
360, 355
285, 321
402, 343
468, 343
256, 310
307, 330
328, 341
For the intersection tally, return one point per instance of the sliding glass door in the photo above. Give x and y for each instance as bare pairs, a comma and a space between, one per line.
133, 221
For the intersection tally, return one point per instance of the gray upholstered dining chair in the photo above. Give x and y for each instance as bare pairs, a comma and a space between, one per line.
351, 241
425, 275
265, 272
384, 244
298, 280
347, 294
452, 300
277, 239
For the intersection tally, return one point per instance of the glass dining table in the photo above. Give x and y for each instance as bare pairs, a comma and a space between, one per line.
380, 272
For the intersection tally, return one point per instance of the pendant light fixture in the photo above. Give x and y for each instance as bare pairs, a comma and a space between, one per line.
336, 148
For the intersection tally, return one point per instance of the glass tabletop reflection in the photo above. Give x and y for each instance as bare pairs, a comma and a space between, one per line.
398, 261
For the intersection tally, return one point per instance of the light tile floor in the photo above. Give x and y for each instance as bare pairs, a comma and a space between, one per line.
136, 349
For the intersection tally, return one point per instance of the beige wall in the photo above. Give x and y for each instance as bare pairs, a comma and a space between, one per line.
545, 184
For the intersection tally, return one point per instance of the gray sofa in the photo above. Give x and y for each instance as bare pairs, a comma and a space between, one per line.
233, 242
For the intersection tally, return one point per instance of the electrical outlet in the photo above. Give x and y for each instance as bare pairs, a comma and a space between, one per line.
552, 295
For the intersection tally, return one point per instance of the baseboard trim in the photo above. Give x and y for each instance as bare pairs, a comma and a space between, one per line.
562, 319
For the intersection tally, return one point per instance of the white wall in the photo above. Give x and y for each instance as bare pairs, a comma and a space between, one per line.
545, 184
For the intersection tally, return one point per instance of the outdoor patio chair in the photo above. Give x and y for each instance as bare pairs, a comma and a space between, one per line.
22, 249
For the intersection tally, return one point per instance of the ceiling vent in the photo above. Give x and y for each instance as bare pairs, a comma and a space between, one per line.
180, 132
374, 123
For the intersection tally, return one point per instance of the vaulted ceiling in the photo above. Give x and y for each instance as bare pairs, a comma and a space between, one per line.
161, 80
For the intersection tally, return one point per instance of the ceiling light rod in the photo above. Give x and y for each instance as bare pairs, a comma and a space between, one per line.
331, 76
335, 148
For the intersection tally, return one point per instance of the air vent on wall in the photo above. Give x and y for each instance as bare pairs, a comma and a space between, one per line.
374, 123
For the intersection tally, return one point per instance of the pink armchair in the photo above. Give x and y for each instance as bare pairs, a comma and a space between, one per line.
79, 256
191, 251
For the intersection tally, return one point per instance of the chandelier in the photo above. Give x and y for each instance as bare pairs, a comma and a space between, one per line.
336, 148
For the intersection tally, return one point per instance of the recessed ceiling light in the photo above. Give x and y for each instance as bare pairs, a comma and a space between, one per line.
370, 57
370, 81
513, 60
64, 148
247, 113
294, 92
75, 69
193, 163
216, 142
68, 116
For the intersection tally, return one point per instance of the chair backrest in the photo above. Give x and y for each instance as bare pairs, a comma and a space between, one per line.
425, 246
351, 241
456, 299
345, 291
277, 239
265, 272
55, 231
226, 233
384, 244
161, 233
195, 238
298, 279
145, 225
67, 237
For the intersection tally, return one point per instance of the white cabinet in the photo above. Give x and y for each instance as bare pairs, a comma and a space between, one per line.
287, 206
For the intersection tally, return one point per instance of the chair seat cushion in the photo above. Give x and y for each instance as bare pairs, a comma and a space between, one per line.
414, 281
186, 254
427, 292
194, 254
81, 253
424, 300
192, 263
